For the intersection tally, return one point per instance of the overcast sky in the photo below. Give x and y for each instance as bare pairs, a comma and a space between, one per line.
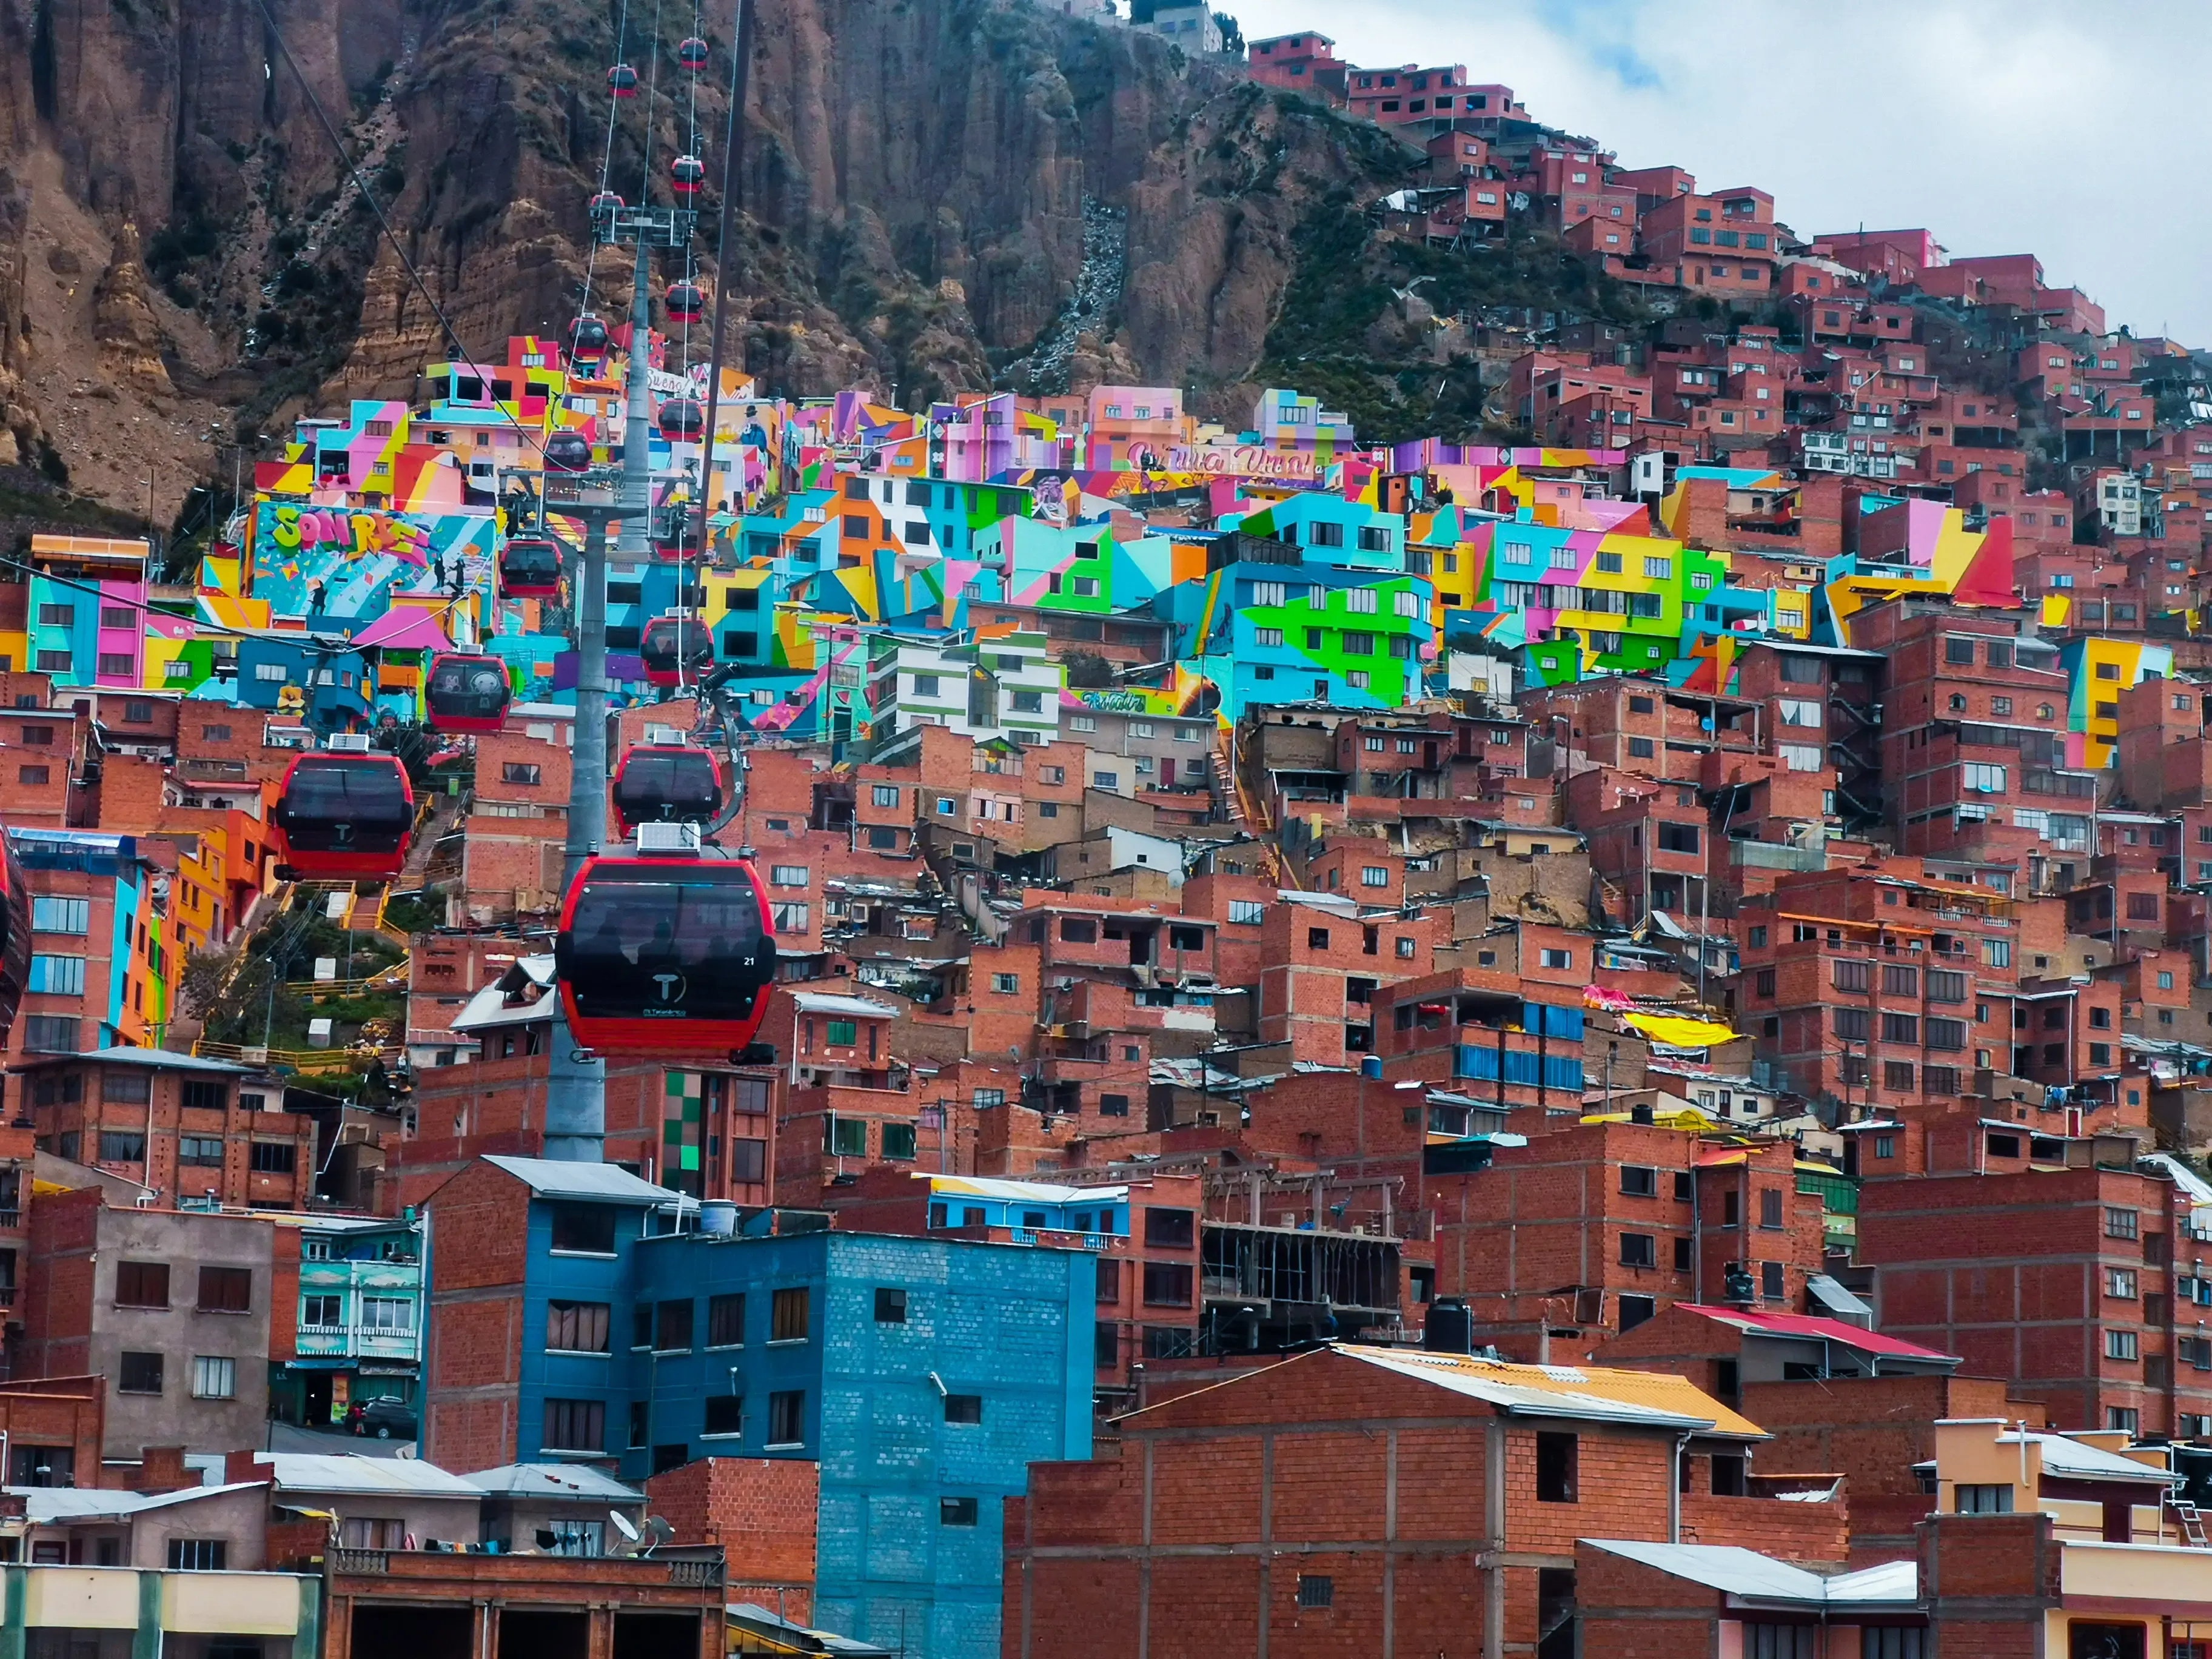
2073, 132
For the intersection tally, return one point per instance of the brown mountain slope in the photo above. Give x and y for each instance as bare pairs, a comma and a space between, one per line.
940, 193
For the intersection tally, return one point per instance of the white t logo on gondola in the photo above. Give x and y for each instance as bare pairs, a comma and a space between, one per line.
672, 987
342, 832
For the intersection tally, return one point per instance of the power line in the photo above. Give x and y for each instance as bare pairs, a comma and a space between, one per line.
199, 624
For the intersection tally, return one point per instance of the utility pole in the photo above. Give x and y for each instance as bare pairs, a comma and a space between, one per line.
576, 1081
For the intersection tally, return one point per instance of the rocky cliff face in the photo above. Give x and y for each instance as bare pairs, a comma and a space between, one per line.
938, 194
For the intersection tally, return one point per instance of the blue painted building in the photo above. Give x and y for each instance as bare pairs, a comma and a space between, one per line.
923, 1375
1334, 530
333, 680
359, 1335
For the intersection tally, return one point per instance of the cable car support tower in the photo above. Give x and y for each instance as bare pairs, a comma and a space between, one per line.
576, 1081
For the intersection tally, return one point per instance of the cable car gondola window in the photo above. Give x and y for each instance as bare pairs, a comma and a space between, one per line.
369, 799
667, 785
368, 794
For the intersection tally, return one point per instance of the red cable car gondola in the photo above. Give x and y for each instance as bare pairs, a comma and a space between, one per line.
692, 54
666, 783
686, 174
468, 692
15, 935
587, 339
344, 816
622, 81
529, 569
662, 953
682, 420
568, 452
683, 302
675, 648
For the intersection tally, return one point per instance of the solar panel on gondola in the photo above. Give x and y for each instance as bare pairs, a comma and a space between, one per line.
345, 816
14, 936
666, 783
662, 953
468, 692
673, 648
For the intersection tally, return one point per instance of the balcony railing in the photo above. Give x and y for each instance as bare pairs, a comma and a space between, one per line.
1053, 1238
324, 1341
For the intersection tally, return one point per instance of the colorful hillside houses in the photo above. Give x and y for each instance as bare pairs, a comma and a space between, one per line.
1910, 548
1285, 562
1264, 627
2097, 670
1284, 420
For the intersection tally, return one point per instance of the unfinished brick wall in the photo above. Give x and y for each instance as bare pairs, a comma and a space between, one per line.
478, 1244
1871, 1430
1998, 1570
1307, 1468
762, 1510
1811, 1534
1630, 1611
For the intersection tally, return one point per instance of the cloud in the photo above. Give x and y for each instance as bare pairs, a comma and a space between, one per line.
2004, 127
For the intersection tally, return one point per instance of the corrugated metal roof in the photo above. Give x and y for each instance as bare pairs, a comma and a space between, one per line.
1809, 1325
313, 1472
554, 1481
2076, 1460
150, 1057
488, 1007
604, 1183
1756, 1577
1597, 1393
47, 1506
1024, 1192
1724, 1567
824, 1002
1892, 1581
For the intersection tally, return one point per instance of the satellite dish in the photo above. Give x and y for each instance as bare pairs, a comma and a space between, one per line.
623, 1524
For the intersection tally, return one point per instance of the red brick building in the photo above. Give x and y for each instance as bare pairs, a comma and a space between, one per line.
2079, 1286
1590, 1231
1312, 1506
181, 1126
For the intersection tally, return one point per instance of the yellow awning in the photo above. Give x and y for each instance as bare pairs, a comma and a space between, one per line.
1677, 1031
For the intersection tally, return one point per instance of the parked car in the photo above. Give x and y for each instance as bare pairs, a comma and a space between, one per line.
388, 1420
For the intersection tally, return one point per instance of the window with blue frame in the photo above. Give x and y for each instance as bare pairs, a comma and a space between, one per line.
58, 976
